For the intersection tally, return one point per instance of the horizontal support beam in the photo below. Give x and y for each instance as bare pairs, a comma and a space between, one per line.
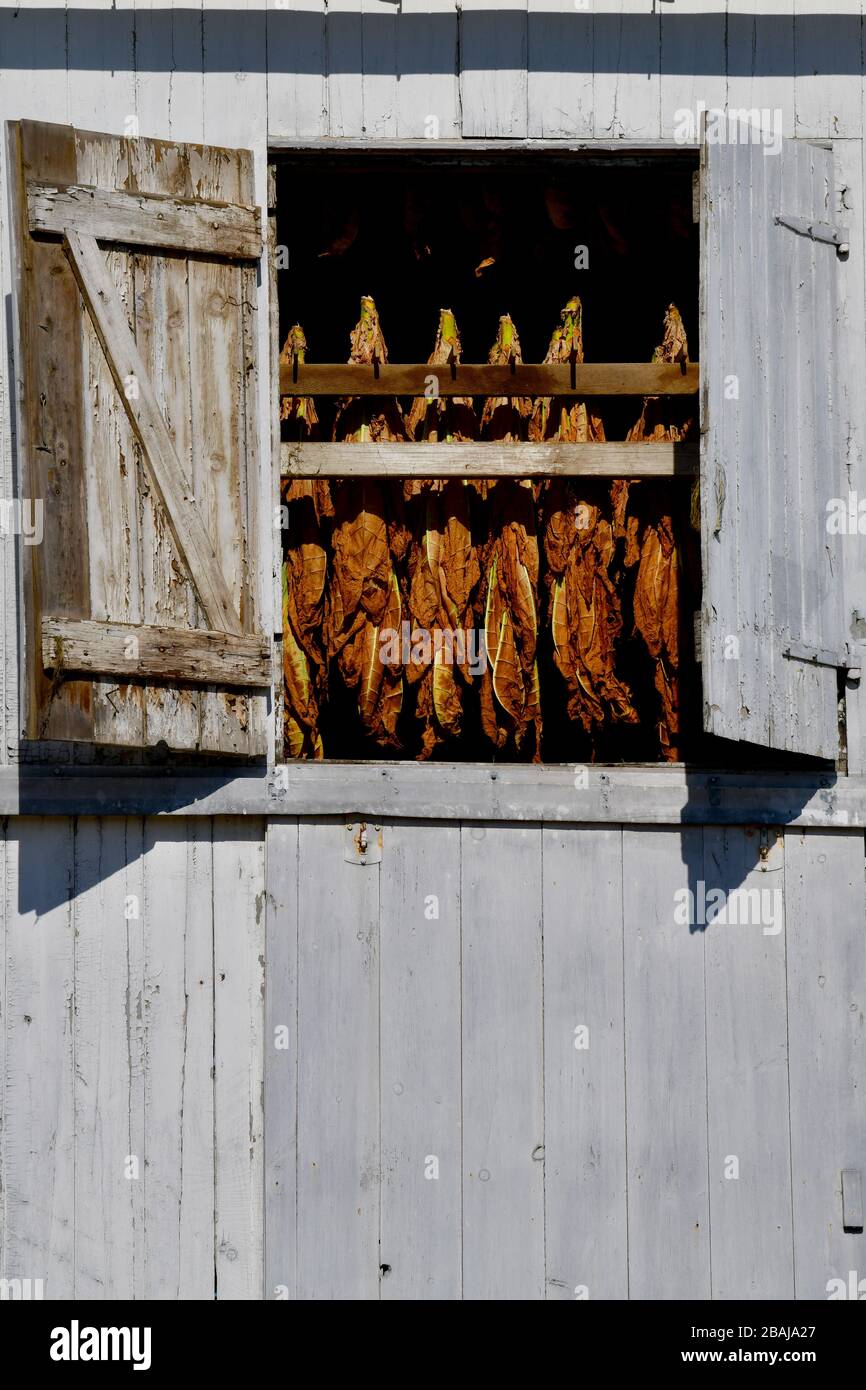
159, 653
528, 379
489, 460
446, 792
146, 219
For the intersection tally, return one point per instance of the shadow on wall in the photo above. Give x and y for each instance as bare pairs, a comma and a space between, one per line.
286, 40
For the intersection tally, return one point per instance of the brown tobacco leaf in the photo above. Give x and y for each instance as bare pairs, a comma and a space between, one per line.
300, 411
662, 417
511, 618
381, 680
656, 618
565, 419
443, 419
301, 705
505, 418
585, 614
368, 419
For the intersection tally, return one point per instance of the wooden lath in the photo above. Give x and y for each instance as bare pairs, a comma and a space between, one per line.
542, 379
131, 651
488, 460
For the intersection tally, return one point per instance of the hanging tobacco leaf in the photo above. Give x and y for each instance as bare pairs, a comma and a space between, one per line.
443, 419
505, 418
299, 411
656, 618
566, 419
368, 419
301, 718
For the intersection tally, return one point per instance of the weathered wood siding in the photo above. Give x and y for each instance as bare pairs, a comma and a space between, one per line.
420, 1017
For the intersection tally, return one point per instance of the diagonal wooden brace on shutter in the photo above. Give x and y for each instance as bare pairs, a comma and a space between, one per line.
816, 231
139, 400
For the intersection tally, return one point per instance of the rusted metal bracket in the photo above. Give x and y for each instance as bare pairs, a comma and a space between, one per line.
362, 843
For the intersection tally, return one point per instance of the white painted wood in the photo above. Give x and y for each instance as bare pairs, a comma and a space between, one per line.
344, 38
380, 61
848, 156
428, 84
169, 86
758, 472
559, 69
338, 1082
110, 1060
829, 74
420, 1066
665, 1069
493, 62
238, 954
586, 1241
503, 1087
297, 94
761, 58
101, 64
824, 893
177, 927
747, 1072
281, 1058
693, 60
639, 795
38, 1154
627, 71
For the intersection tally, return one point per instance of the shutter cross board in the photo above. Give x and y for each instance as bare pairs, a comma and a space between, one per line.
146, 219
165, 653
151, 430
135, 272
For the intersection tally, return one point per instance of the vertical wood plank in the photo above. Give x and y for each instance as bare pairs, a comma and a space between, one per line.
828, 85
101, 64
824, 893
379, 49
112, 464
503, 1100
338, 1082
559, 70
345, 67
760, 52
627, 72
239, 949
281, 1058
297, 93
693, 60
169, 95
493, 64
665, 1073
38, 1128
747, 1072
427, 65
110, 1058
420, 1061
177, 915
584, 1072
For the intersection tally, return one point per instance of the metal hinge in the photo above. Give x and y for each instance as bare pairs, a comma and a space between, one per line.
816, 231
362, 843
822, 656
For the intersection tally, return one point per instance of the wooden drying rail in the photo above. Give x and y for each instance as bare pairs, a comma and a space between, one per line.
487, 460
567, 379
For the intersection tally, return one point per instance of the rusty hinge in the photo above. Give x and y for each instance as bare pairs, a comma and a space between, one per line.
816, 231
362, 843
842, 660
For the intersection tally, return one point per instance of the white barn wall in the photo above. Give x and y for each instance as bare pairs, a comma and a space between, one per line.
111, 1034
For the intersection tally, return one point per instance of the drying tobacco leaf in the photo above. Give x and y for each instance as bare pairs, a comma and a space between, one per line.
664, 418
511, 704
565, 419
301, 717
585, 612
300, 411
443, 419
368, 419
656, 618
504, 418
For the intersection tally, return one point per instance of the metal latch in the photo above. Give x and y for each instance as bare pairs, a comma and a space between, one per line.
771, 848
362, 843
842, 660
816, 231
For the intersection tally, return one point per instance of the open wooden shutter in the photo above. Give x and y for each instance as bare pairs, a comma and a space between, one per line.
136, 353
773, 638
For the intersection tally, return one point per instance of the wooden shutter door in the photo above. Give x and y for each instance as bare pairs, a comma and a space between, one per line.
773, 638
136, 353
